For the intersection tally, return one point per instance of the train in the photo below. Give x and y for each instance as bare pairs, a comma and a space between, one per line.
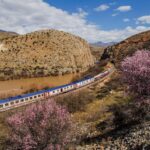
20, 100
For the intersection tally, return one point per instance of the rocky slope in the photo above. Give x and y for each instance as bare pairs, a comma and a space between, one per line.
42, 53
127, 47
5, 34
96, 51
136, 138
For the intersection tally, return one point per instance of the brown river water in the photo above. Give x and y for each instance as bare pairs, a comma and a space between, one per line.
16, 87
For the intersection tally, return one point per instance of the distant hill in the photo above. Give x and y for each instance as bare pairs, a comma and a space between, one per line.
6, 34
102, 44
43, 53
97, 51
117, 52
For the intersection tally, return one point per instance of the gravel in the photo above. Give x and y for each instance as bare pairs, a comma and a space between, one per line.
136, 138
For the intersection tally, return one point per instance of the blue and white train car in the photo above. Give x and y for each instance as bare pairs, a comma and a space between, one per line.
84, 82
29, 98
20, 100
101, 75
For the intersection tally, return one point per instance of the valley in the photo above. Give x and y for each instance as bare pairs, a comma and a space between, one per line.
98, 112
74, 75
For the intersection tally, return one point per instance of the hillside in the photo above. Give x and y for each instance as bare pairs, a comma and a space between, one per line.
43, 53
127, 47
5, 34
97, 51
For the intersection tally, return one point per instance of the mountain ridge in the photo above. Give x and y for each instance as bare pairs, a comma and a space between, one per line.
103, 44
127, 47
7, 34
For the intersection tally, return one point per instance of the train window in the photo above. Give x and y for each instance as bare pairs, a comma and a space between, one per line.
12, 103
6, 104
34, 96
39, 95
53, 91
42, 94
22, 100
1, 106
30, 97
17, 101
26, 99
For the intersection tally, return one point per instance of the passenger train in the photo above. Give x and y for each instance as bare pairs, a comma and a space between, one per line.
25, 99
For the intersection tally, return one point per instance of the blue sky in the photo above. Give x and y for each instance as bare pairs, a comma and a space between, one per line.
93, 20
104, 19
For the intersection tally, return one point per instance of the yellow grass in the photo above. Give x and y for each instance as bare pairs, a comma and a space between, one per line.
97, 107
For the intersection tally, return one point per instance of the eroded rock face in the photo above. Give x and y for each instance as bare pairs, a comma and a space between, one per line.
43, 53
118, 52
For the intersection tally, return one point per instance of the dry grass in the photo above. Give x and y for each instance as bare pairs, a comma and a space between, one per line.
97, 110
76, 102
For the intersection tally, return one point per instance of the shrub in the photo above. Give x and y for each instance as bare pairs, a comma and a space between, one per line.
113, 84
43, 125
77, 101
131, 113
136, 73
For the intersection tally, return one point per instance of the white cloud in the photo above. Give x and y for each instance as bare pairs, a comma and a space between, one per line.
102, 7
114, 15
124, 8
81, 13
126, 20
24, 16
144, 19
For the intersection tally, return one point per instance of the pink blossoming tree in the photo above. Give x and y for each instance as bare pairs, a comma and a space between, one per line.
136, 73
42, 126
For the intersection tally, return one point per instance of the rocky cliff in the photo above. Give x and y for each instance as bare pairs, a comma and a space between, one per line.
43, 53
117, 52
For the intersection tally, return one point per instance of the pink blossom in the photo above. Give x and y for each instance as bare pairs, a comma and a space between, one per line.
43, 125
136, 72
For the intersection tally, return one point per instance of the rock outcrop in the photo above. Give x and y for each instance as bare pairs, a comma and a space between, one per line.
119, 51
43, 53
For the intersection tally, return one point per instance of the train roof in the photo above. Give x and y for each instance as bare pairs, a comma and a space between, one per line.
40, 92
86, 78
